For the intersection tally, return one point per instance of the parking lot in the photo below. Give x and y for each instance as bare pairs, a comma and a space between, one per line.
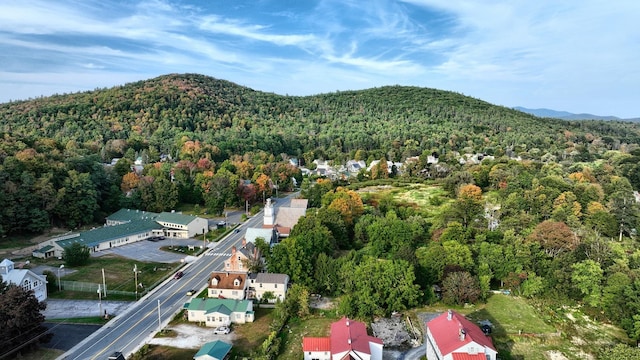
150, 250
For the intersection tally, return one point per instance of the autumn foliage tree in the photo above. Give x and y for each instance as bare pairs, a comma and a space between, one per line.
347, 202
554, 237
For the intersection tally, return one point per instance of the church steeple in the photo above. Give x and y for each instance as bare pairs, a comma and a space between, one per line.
269, 219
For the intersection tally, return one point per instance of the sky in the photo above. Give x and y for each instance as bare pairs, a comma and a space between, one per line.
581, 56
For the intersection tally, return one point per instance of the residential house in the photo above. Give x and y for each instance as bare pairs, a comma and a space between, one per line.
239, 257
215, 350
451, 336
227, 285
26, 279
348, 340
261, 283
219, 312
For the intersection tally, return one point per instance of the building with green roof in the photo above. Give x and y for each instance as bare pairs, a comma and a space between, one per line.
124, 227
215, 350
219, 312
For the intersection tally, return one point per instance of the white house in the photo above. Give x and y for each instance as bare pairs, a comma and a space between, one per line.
219, 312
261, 283
451, 336
26, 279
227, 285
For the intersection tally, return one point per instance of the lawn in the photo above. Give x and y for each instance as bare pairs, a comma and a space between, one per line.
157, 352
119, 275
41, 354
523, 331
251, 336
317, 325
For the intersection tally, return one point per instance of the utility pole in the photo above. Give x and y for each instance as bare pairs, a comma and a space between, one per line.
159, 320
104, 285
100, 299
135, 275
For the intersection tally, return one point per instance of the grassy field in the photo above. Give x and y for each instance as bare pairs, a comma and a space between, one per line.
156, 352
522, 331
318, 325
118, 273
41, 354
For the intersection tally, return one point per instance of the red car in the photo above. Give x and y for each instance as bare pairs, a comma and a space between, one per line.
178, 275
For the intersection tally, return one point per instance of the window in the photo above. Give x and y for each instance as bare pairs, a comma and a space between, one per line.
275, 286
234, 293
214, 292
260, 284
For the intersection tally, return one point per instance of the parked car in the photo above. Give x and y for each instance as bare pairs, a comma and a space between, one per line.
236, 231
178, 275
191, 292
222, 330
116, 356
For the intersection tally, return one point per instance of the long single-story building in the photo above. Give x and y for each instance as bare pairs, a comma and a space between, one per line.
124, 227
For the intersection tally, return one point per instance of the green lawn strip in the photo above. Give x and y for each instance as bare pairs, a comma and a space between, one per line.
162, 352
90, 320
41, 354
119, 273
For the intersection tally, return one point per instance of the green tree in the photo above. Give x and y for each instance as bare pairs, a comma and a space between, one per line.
77, 199
76, 254
21, 318
587, 277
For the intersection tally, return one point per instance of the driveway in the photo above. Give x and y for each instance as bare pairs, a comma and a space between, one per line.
150, 251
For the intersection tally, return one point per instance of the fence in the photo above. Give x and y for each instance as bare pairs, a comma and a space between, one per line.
80, 286
93, 288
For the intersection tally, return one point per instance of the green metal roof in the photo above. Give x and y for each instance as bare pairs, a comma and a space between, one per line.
219, 305
97, 236
175, 218
216, 349
127, 215
44, 249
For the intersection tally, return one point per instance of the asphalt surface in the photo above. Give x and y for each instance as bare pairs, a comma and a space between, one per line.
66, 336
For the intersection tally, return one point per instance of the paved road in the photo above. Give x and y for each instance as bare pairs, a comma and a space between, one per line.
129, 331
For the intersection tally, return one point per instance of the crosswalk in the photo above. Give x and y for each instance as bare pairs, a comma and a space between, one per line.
211, 253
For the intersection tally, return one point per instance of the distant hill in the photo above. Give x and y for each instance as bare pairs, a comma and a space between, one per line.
565, 115
163, 113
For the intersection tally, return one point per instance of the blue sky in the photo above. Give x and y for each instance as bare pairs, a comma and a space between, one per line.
572, 55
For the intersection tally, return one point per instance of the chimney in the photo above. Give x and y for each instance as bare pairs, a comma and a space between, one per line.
233, 249
244, 242
462, 334
449, 315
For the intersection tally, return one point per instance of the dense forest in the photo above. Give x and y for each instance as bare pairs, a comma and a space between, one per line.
548, 210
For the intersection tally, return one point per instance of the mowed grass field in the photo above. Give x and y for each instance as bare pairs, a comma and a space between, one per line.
118, 273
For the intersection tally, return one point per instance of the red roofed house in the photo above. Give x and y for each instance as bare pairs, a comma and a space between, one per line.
348, 341
451, 336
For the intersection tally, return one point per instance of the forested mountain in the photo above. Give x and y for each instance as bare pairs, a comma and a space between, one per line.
393, 121
213, 133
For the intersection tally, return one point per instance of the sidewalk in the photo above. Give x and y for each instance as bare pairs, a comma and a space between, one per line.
57, 309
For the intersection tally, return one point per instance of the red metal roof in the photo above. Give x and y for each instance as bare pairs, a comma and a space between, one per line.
446, 333
347, 335
316, 344
465, 356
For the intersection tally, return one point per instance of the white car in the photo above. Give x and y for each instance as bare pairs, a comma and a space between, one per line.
222, 330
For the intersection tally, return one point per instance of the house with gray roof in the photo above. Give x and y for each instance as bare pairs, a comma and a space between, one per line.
219, 312
261, 283
26, 279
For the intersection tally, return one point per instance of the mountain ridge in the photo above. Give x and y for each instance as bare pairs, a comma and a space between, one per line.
565, 115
